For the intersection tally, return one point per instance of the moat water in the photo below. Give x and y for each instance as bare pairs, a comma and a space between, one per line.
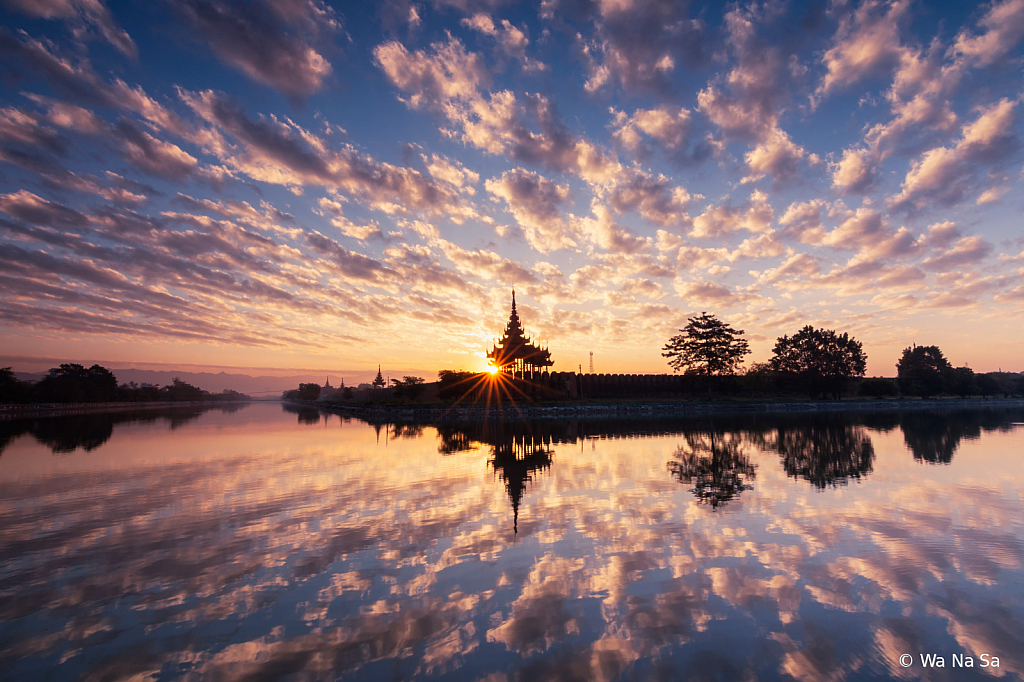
257, 543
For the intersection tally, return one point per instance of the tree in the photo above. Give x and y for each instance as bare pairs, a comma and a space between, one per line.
961, 381
706, 346
922, 371
878, 387
408, 387
309, 391
72, 383
988, 385
12, 389
453, 384
824, 360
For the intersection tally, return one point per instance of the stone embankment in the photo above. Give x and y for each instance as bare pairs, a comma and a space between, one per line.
469, 413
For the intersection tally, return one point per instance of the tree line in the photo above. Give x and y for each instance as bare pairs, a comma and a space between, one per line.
72, 383
824, 363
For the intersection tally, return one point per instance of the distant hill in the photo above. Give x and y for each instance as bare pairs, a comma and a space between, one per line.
258, 386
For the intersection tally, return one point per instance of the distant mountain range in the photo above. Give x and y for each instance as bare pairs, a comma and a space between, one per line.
258, 386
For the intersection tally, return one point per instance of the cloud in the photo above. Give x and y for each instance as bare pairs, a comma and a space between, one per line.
448, 81
755, 215
347, 227
26, 206
535, 202
451, 171
776, 156
23, 129
635, 45
864, 228
709, 294
669, 126
449, 74
252, 37
155, 157
281, 152
81, 83
82, 16
967, 251
866, 43
747, 103
1004, 28
656, 198
603, 231
803, 220
111, 187
945, 175
511, 40
855, 172
487, 265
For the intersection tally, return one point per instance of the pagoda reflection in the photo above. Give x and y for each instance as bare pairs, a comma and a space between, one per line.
520, 451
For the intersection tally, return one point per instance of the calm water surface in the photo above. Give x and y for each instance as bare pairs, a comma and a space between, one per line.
261, 544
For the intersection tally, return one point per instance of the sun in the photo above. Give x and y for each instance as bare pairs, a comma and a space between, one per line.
492, 370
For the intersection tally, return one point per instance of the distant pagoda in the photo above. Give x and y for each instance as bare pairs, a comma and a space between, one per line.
378, 381
515, 353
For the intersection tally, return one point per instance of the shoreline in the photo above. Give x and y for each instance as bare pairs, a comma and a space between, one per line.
67, 409
460, 413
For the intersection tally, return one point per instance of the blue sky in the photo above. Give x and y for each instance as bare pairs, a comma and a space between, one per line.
294, 184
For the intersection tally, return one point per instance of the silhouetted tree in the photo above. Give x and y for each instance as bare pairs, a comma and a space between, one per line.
71, 383
878, 387
714, 463
408, 387
922, 371
309, 391
989, 385
453, 384
180, 390
12, 389
706, 346
824, 360
961, 381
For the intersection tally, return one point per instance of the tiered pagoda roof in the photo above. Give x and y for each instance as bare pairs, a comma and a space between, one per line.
515, 349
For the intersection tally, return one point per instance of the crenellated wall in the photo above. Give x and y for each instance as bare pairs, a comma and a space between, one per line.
554, 385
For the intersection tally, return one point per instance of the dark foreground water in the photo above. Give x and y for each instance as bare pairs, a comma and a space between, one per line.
261, 544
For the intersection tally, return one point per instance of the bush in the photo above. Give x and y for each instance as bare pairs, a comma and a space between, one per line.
878, 387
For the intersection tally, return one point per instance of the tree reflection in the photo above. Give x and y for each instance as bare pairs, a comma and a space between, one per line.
714, 463
306, 415
828, 451
934, 437
68, 433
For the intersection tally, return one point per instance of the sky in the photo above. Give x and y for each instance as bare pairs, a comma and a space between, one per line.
286, 184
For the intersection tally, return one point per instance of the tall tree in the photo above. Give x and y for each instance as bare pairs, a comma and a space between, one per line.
823, 359
706, 346
923, 371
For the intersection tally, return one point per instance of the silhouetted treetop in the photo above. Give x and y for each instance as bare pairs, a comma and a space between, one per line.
826, 360
706, 346
923, 371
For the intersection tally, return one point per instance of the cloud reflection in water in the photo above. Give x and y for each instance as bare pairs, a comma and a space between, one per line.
249, 545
